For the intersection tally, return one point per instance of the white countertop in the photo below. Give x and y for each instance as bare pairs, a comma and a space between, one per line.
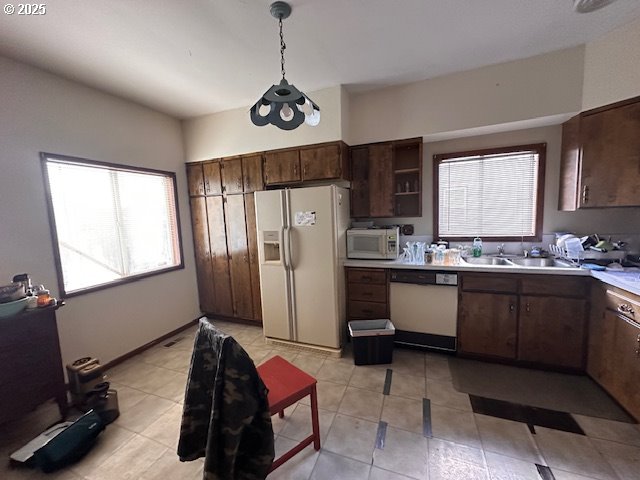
466, 267
628, 280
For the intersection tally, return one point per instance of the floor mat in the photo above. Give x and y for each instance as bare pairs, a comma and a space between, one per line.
555, 391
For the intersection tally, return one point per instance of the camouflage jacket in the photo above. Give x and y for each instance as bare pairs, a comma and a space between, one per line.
226, 415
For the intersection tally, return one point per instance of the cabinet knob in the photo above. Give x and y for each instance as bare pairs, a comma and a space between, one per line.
527, 308
626, 308
512, 307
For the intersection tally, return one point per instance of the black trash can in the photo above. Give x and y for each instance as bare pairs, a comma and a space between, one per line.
372, 341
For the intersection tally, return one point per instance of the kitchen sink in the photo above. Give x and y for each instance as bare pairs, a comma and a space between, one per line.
513, 261
534, 262
488, 261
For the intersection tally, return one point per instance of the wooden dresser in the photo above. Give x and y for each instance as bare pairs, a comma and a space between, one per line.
30, 363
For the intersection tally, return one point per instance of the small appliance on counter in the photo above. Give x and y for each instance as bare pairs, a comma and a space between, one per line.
378, 244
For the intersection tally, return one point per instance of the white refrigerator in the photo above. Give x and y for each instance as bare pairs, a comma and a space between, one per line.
301, 248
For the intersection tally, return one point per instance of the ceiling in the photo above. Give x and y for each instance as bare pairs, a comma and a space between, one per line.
193, 57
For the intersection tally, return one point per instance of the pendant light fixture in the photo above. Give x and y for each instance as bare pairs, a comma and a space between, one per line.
283, 105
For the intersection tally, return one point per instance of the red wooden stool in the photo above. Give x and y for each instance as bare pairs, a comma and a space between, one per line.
287, 384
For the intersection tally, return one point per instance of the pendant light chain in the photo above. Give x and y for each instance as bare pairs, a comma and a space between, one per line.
282, 47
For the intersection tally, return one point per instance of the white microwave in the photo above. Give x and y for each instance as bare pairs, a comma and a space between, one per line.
373, 243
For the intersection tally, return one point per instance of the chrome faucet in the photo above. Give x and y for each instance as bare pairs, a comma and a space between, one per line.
501, 249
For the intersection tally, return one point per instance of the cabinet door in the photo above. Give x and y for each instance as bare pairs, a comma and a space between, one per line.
232, 175
239, 256
195, 180
282, 167
487, 324
321, 163
552, 331
252, 173
600, 337
381, 193
219, 259
212, 178
626, 352
611, 157
252, 241
204, 269
360, 182
569, 165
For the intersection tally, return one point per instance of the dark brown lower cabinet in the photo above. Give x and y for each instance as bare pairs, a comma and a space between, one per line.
367, 293
252, 240
487, 324
238, 252
226, 251
614, 346
204, 270
552, 331
30, 363
527, 319
219, 257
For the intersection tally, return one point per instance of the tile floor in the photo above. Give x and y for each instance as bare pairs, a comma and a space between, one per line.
463, 445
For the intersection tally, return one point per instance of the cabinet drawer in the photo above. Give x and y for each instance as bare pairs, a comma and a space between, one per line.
368, 292
367, 275
560, 286
623, 303
488, 283
367, 310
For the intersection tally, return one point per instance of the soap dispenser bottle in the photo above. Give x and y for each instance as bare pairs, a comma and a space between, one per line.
477, 247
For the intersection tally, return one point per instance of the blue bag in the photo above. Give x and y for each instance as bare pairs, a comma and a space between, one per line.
71, 444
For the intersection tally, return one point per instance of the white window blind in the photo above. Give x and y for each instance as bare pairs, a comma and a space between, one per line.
111, 223
493, 195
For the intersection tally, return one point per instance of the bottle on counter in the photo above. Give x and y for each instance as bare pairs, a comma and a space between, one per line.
476, 249
438, 256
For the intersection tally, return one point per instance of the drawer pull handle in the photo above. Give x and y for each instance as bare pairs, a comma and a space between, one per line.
528, 308
638, 348
512, 307
367, 311
585, 194
626, 308
365, 278
367, 294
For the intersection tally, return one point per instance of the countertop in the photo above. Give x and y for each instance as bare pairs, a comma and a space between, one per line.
628, 280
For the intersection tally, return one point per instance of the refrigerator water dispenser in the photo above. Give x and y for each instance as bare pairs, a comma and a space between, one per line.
271, 246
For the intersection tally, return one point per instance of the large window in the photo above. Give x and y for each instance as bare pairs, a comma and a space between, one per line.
110, 223
495, 194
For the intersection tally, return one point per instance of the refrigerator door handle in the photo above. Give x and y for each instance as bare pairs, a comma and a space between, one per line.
283, 243
291, 283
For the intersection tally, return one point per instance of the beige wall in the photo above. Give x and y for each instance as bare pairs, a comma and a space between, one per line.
42, 112
612, 220
231, 132
612, 67
535, 87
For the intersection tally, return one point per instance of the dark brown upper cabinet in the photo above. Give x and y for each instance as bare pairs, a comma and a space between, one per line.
232, 175
195, 179
600, 163
282, 166
252, 173
324, 162
387, 179
212, 178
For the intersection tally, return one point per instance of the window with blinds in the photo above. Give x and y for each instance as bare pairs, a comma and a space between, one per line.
494, 193
110, 223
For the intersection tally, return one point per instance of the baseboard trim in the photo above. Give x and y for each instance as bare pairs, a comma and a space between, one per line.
304, 347
147, 346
